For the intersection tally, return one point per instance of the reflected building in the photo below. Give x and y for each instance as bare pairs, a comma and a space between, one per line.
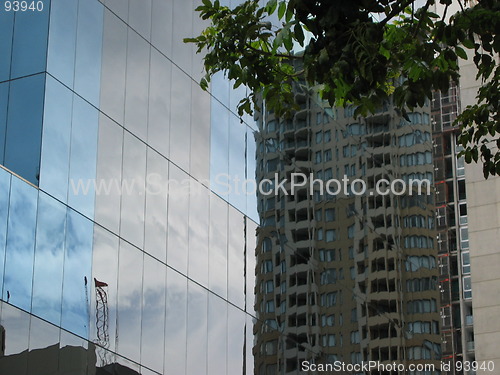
342, 276
114, 245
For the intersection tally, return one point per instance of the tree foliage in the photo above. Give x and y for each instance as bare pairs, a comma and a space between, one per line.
360, 52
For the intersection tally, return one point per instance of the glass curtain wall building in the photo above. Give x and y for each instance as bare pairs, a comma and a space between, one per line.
115, 255
345, 277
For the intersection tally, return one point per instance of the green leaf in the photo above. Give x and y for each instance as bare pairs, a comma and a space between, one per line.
271, 6
299, 34
281, 10
467, 43
461, 53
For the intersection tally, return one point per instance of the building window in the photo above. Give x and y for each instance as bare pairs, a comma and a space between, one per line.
330, 214
331, 235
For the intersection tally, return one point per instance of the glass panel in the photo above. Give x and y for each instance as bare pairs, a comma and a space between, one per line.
178, 207
217, 335
161, 28
88, 50
236, 258
109, 174
159, 103
251, 209
83, 157
29, 50
5, 178
155, 241
199, 204
182, 27
140, 17
200, 133
6, 31
77, 273
104, 293
136, 96
24, 128
133, 194
20, 249
251, 245
180, 129
249, 359
237, 161
175, 327
62, 40
114, 57
119, 7
4, 101
130, 273
16, 324
153, 314
236, 340
74, 356
196, 358
49, 258
127, 366
217, 262
219, 141
43, 356
54, 174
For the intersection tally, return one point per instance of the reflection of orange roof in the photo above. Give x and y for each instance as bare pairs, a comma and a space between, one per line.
99, 283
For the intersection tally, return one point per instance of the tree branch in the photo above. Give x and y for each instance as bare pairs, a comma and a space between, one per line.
396, 11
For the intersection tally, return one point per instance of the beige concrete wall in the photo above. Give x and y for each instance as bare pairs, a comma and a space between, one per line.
483, 208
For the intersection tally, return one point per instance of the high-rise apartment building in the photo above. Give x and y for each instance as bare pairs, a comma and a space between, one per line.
115, 255
346, 277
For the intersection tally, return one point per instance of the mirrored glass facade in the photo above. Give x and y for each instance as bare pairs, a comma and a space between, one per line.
121, 249
345, 274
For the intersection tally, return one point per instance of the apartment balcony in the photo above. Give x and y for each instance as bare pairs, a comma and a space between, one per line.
469, 320
470, 346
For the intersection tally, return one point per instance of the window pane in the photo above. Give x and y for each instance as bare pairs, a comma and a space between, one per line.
29, 50
137, 86
197, 320
6, 31
104, 271
199, 205
88, 50
156, 206
54, 174
83, 156
130, 276
159, 103
153, 314
5, 178
20, 244
133, 196
24, 127
217, 335
62, 40
4, 101
49, 259
114, 59
77, 274
178, 219
109, 173
175, 327
218, 246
